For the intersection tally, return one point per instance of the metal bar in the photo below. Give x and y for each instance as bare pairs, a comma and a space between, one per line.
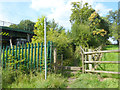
38, 55
6, 57
41, 56
45, 48
9, 54
15, 56
28, 55
25, 54
50, 52
18, 55
22, 52
3, 58
47, 54
31, 55
34, 55
13, 53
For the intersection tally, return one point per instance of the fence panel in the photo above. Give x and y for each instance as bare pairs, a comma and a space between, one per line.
29, 55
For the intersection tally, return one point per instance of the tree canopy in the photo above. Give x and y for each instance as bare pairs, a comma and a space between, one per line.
88, 28
24, 25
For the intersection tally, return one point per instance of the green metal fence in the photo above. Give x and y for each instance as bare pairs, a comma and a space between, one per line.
30, 56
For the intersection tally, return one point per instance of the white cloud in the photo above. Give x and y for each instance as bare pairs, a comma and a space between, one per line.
38, 4
60, 10
15, 0
102, 10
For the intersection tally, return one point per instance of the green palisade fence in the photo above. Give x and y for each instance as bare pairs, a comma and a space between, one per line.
30, 56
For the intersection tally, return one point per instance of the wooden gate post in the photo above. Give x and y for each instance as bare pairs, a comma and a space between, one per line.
85, 59
55, 59
83, 63
90, 59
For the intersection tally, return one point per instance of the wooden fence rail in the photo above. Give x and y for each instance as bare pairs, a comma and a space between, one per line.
90, 62
106, 62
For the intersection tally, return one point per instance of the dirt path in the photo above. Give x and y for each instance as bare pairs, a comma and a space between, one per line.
70, 80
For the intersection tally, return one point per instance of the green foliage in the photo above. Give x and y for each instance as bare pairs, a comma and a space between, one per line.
88, 28
53, 25
80, 12
114, 26
8, 77
59, 39
13, 26
24, 25
54, 33
80, 34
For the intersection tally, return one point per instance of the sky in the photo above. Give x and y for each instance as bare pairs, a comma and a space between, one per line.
16, 10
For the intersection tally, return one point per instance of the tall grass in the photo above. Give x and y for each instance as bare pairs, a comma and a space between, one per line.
93, 81
11, 79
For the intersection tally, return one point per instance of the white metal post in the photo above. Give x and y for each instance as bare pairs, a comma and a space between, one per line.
45, 48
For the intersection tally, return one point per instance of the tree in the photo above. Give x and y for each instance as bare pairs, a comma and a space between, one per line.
88, 28
55, 26
58, 38
13, 26
24, 25
80, 13
114, 24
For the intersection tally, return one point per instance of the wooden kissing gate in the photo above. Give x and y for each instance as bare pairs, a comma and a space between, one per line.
87, 59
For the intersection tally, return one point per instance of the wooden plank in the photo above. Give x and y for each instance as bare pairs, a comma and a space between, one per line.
90, 59
103, 72
82, 49
70, 68
105, 51
83, 63
113, 62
